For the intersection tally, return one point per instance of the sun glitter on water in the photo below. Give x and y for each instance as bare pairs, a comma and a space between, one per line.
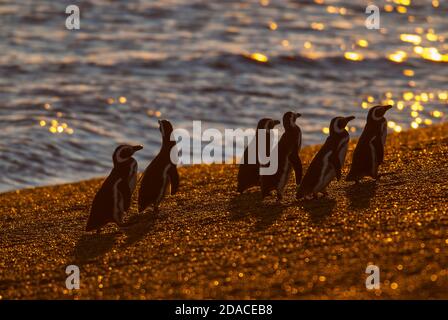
259, 57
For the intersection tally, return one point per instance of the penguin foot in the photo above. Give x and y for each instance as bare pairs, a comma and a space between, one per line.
124, 227
265, 194
279, 197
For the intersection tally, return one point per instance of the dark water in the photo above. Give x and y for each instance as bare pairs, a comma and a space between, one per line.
187, 60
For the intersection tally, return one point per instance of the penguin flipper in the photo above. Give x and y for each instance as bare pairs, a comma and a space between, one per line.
101, 209
296, 163
379, 149
337, 158
151, 182
334, 159
174, 179
143, 199
125, 195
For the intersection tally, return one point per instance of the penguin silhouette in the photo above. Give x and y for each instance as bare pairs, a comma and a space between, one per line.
113, 199
161, 176
328, 162
288, 156
249, 173
369, 152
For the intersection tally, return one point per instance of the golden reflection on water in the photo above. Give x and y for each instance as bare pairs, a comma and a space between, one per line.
403, 2
154, 113
54, 126
363, 43
273, 25
412, 38
122, 100
408, 72
424, 43
398, 56
317, 26
285, 43
402, 9
353, 56
413, 102
259, 57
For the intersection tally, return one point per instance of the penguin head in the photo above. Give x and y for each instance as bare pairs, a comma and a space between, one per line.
267, 123
377, 113
124, 152
166, 129
338, 124
263, 123
289, 119
272, 123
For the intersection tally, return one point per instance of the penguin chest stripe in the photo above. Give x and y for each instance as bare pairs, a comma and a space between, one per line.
383, 134
165, 183
284, 175
327, 173
372, 155
118, 202
343, 145
133, 177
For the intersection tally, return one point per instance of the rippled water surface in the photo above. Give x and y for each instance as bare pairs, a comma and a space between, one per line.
69, 97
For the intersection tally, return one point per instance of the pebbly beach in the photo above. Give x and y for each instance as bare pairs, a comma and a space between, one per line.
209, 242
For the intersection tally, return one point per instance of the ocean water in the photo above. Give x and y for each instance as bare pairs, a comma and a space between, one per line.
68, 97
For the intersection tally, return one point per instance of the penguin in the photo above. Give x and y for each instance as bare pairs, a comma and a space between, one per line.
161, 176
328, 162
248, 173
288, 156
113, 199
369, 152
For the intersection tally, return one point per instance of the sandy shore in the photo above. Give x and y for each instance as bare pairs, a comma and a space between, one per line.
208, 242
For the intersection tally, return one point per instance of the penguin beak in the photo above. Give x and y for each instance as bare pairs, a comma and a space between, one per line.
348, 119
387, 108
136, 148
298, 115
383, 109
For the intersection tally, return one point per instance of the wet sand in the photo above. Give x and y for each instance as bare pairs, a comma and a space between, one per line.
209, 242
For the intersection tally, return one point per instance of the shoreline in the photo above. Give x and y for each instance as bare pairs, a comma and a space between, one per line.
209, 243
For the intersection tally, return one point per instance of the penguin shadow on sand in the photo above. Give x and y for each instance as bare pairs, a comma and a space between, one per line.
318, 209
360, 194
250, 204
93, 245
139, 225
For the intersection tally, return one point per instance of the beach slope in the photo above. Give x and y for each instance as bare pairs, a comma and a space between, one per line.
210, 242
